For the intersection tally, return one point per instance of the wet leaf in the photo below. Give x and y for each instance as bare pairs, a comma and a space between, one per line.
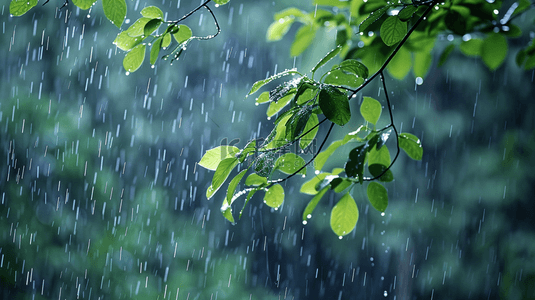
134, 59
221, 2
221, 174
335, 105
354, 166
275, 107
82, 4
274, 196
378, 169
155, 50
309, 187
289, 163
377, 195
255, 180
411, 145
406, 13
370, 109
151, 26
20, 7
393, 30
115, 11
214, 156
308, 138
379, 156
232, 186
326, 58
125, 42
257, 85
152, 12
344, 215
374, 16
183, 34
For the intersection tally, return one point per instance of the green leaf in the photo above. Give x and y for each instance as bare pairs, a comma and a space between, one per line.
255, 180
138, 28
401, 64
279, 28
494, 50
232, 186
344, 216
339, 184
263, 98
336, 3
445, 54
308, 138
307, 213
289, 12
166, 40
354, 166
275, 107
183, 34
297, 122
125, 42
289, 163
326, 58
83, 4
227, 212
303, 38
350, 72
155, 50
151, 26
377, 195
152, 12
214, 156
411, 145
20, 7
309, 187
257, 85
379, 156
322, 157
221, 2
471, 47
406, 13
221, 174
374, 16
370, 109
274, 196
305, 93
249, 196
134, 59
393, 30
422, 63
115, 11
335, 105
378, 169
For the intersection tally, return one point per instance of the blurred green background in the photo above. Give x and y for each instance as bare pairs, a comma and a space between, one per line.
101, 198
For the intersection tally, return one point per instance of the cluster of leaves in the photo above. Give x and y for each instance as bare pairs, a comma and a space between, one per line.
143, 29
392, 36
481, 28
306, 99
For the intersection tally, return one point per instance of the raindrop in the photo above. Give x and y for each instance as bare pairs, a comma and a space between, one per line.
340, 237
127, 73
385, 294
419, 80
304, 222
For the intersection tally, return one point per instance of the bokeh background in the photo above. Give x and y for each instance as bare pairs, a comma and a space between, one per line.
101, 197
